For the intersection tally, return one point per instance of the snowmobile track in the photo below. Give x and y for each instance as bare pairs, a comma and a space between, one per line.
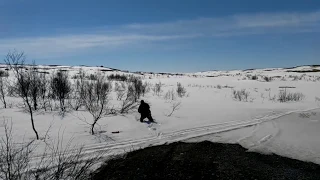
180, 135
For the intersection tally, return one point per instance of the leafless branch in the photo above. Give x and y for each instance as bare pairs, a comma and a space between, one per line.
174, 107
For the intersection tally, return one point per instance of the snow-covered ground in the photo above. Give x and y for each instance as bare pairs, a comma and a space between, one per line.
207, 112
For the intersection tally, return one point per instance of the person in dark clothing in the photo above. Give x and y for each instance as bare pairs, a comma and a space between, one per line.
144, 110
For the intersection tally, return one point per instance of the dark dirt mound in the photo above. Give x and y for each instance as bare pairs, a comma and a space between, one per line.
204, 160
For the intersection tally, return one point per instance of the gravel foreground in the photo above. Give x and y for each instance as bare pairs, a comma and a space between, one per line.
204, 160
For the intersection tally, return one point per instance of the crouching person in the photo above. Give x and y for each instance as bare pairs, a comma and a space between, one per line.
144, 110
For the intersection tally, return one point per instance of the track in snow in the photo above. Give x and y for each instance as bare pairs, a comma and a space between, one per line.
180, 135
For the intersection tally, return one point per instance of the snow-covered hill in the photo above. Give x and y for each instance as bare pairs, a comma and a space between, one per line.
310, 71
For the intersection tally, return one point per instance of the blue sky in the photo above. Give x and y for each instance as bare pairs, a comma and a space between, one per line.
167, 35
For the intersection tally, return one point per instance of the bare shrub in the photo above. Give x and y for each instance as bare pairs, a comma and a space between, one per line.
31, 81
15, 61
120, 94
130, 95
56, 162
285, 96
92, 77
271, 97
131, 91
254, 77
61, 87
65, 162
4, 73
51, 104
35, 83
120, 90
170, 95
43, 91
157, 89
136, 86
174, 107
117, 77
3, 90
129, 103
240, 95
267, 79
145, 88
181, 91
296, 78
283, 79
96, 99
77, 95
14, 159
11, 91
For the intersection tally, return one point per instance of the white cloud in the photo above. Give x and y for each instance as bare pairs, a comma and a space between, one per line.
57, 45
121, 36
264, 20
250, 23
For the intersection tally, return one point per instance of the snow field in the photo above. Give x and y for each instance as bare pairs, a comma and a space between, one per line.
207, 112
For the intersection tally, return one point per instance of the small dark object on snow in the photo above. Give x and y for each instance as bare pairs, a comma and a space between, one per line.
144, 110
115, 132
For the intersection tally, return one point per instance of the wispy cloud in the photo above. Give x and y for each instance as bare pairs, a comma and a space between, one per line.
59, 45
264, 20
231, 25
137, 33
